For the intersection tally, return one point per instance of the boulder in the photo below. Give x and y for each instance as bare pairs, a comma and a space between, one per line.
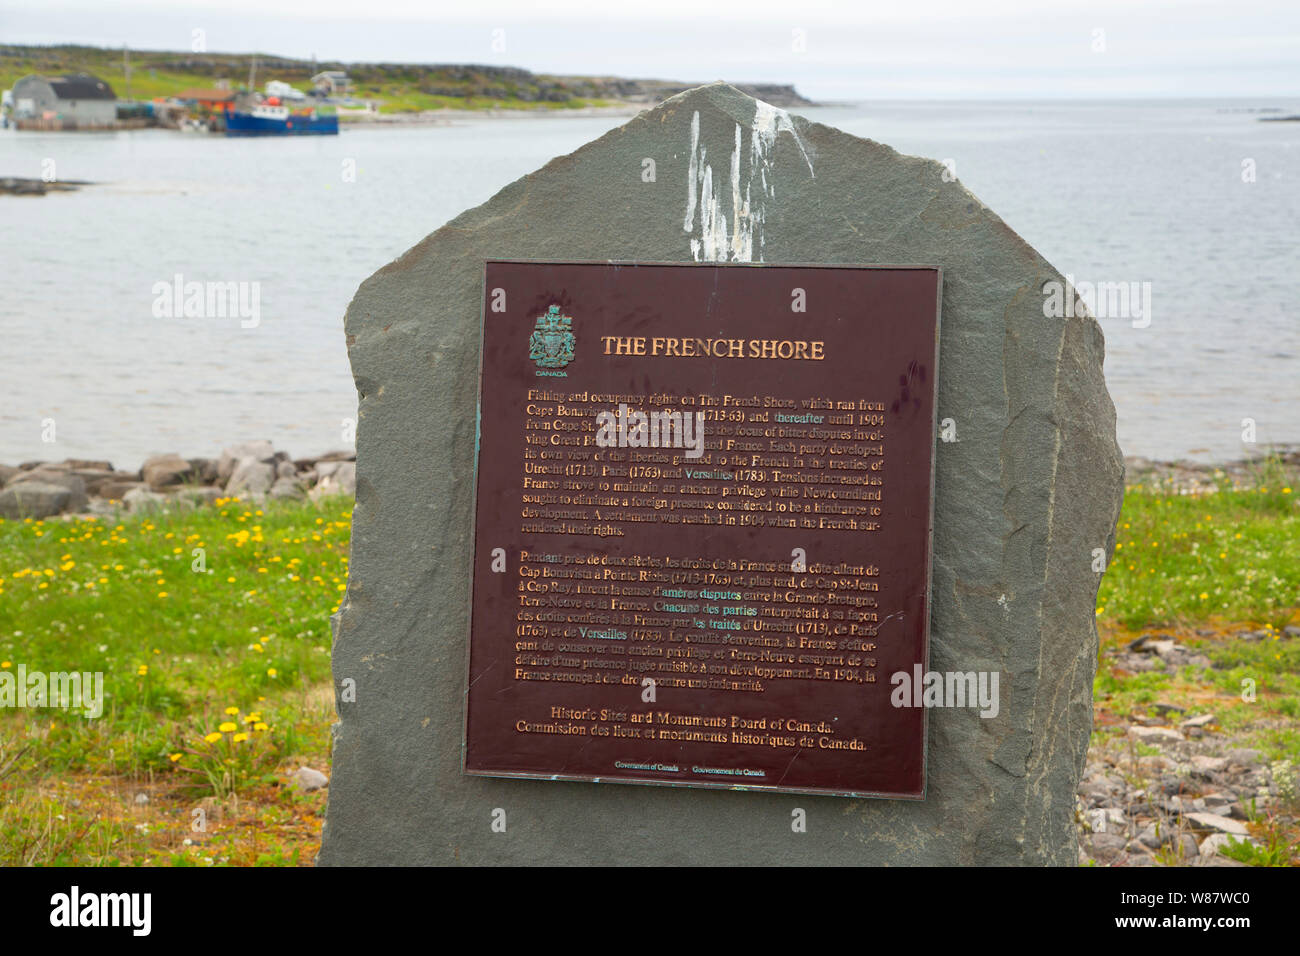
258, 451
196, 496
116, 489
340, 479
1212, 821
1030, 491
205, 470
287, 488
142, 500
33, 499
46, 475
251, 476
166, 471
6, 473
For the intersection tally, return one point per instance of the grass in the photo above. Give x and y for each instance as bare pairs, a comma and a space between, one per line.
210, 628
1230, 555
395, 88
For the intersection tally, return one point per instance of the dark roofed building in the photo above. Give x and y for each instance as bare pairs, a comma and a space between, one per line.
77, 99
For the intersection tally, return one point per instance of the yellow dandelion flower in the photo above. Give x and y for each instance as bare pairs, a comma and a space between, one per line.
162, 594
1204, 596
213, 737
227, 726
260, 726
239, 738
272, 672
142, 670
5, 665
174, 757
232, 711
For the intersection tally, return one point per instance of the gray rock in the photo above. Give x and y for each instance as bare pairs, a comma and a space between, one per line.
87, 464
142, 500
52, 475
94, 479
6, 473
285, 469
230, 457
1204, 720
1213, 843
1022, 500
287, 488
197, 496
33, 499
1155, 734
166, 471
117, 489
305, 778
1205, 766
251, 475
1243, 757
1187, 847
1105, 847
205, 470
1212, 821
341, 480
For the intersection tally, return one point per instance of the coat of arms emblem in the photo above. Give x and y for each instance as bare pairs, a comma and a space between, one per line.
551, 345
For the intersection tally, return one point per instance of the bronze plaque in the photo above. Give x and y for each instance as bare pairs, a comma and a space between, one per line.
703, 523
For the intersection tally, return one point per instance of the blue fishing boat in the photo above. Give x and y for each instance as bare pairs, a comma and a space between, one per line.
272, 118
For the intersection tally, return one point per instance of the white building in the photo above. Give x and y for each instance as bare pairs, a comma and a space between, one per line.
284, 91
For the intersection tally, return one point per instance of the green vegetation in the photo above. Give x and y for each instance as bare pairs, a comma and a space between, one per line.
210, 628
1231, 555
396, 88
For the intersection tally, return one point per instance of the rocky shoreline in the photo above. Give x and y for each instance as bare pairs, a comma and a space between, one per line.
1172, 786
255, 470
250, 470
1189, 477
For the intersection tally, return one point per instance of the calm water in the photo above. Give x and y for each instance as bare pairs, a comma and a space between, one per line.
1107, 192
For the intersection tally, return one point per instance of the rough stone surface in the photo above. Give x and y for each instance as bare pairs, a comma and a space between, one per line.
251, 475
33, 499
230, 457
1022, 500
141, 499
1212, 821
52, 475
305, 778
338, 478
164, 471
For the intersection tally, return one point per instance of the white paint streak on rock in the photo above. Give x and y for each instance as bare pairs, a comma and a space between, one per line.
742, 239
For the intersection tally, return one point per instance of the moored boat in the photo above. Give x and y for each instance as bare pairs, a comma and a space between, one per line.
271, 118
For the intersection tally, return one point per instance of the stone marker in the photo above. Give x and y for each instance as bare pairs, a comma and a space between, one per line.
1028, 487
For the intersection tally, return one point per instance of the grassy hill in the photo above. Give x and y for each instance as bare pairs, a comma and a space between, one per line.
396, 87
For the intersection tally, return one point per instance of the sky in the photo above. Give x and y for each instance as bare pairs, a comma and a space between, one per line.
829, 50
